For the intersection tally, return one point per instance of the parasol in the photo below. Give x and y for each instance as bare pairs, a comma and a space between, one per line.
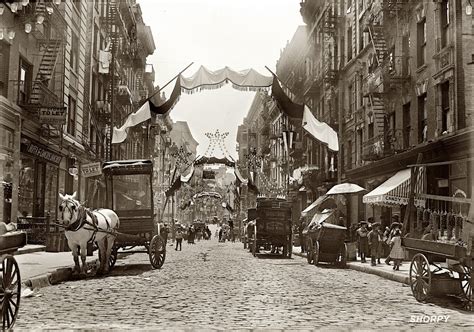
345, 188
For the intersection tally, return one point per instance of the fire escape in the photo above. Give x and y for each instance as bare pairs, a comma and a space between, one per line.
45, 101
387, 72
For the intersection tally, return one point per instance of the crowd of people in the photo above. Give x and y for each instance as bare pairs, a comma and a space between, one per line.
377, 243
190, 233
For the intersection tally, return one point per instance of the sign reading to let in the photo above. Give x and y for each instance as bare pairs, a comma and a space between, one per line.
92, 169
52, 115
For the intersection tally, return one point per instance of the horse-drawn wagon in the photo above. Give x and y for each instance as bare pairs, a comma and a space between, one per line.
325, 239
272, 227
10, 280
130, 194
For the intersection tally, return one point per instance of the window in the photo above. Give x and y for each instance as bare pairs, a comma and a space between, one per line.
370, 130
406, 126
351, 94
71, 122
24, 81
422, 119
421, 42
361, 36
74, 56
359, 145
4, 61
361, 93
445, 114
349, 154
349, 44
444, 22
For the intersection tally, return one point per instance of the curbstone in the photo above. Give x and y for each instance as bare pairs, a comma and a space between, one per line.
370, 270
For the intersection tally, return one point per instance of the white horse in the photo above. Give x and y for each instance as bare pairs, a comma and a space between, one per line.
83, 225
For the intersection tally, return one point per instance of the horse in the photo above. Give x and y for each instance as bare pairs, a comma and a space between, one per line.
83, 226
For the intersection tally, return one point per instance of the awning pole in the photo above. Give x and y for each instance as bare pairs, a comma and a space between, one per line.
411, 197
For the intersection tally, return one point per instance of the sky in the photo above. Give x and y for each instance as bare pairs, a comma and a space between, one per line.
239, 34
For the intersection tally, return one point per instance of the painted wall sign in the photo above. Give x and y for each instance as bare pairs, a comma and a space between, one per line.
41, 152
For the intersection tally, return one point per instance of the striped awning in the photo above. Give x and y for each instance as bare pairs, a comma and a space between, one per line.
395, 190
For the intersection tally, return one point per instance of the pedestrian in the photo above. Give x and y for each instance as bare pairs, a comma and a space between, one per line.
394, 227
179, 238
362, 232
220, 234
231, 226
397, 254
375, 244
300, 233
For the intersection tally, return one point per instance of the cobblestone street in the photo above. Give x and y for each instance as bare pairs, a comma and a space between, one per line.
221, 286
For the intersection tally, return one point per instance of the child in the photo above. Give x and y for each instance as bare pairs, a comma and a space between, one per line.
396, 253
362, 232
179, 239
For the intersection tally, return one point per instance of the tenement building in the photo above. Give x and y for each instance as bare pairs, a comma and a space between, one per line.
397, 78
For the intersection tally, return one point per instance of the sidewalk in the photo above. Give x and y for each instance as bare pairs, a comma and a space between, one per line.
383, 270
40, 269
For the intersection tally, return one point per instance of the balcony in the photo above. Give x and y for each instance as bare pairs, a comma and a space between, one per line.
102, 109
384, 145
396, 69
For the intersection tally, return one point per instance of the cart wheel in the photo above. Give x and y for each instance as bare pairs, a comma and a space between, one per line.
157, 252
309, 251
316, 253
113, 257
342, 257
465, 278
420, 277
10, 291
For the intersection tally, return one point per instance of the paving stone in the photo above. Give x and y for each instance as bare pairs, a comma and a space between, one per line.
231, 289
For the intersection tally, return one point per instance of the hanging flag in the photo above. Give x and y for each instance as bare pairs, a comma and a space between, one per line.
142, 114
286, 105
320, 130
169, 104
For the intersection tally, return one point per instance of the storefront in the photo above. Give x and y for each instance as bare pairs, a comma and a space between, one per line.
9, 157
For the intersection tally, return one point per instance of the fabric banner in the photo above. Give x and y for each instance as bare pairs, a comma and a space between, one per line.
142, 114
287, 106
214, 160
320, 130
247, 80
169, 104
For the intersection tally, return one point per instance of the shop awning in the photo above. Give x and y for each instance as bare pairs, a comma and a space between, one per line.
395, 190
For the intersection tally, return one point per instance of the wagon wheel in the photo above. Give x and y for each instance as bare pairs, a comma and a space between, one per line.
309, 251
10, 291
316, 253
465, 278
420, 277
342, 257
157, 252
113, 257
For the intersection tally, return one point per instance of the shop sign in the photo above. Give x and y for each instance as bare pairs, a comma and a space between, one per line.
52, 115
92, 169
41, 152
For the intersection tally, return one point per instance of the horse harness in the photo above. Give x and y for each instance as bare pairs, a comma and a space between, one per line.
81, 220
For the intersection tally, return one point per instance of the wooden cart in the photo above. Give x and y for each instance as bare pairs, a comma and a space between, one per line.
10, 280
130, 194
325, 241
272, 228
440, 267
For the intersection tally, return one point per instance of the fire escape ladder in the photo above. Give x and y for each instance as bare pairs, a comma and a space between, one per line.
113, 38
40, 93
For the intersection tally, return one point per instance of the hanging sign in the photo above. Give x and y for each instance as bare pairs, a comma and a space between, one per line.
92, 169
52, 115
41, 152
